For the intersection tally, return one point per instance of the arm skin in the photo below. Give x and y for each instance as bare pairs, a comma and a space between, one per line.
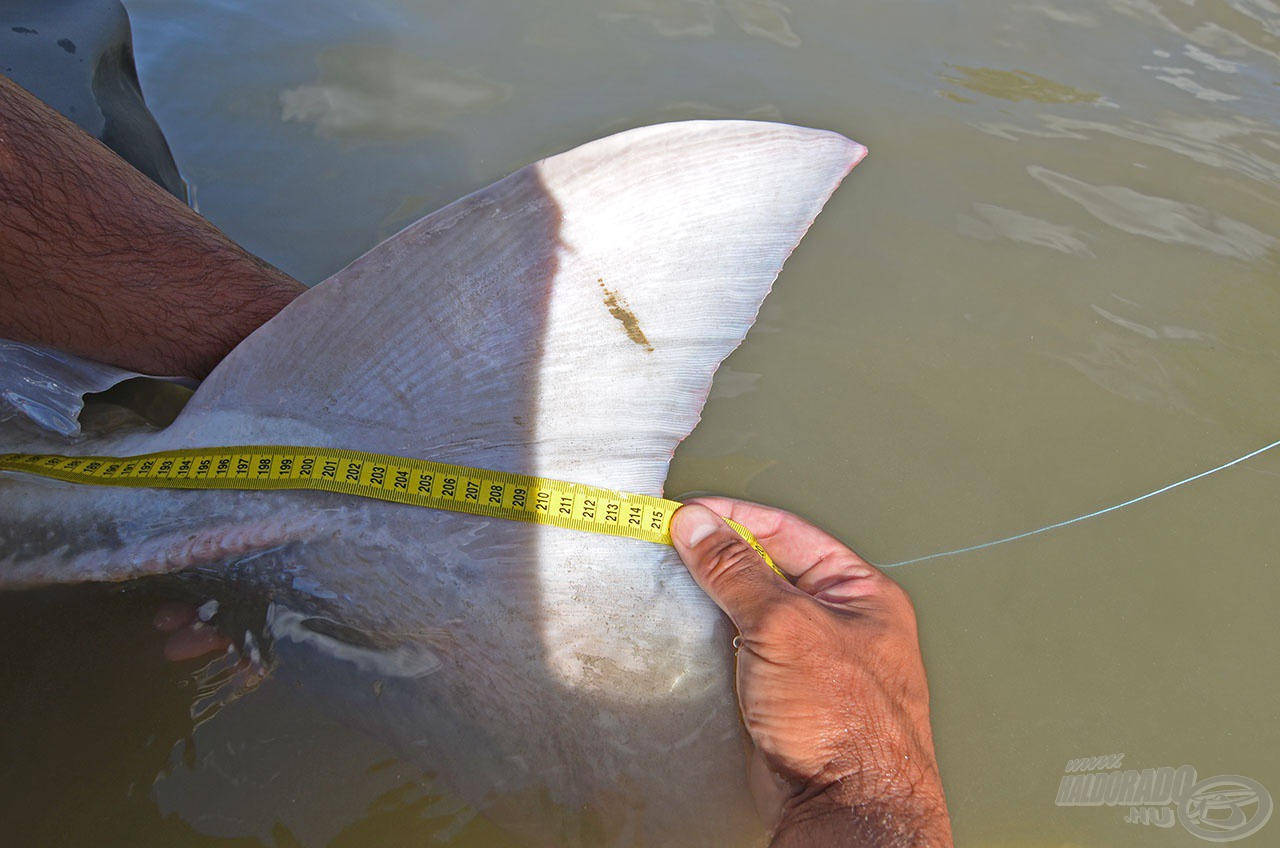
830, 680
97, 260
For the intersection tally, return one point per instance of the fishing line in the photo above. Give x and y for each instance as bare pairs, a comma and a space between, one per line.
1080, 518
442, 486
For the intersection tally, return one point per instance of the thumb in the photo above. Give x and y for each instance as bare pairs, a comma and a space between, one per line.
724, 565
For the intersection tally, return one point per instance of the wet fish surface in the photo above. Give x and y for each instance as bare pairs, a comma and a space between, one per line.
564, 322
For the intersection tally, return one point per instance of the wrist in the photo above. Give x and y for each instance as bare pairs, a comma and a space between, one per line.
874, 811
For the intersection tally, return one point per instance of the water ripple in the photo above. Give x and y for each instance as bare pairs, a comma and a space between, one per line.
997, 221
1208, 141
765, 19
1160, 218
369, 91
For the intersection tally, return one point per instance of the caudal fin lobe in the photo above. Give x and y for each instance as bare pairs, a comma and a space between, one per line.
565, 321
528, 325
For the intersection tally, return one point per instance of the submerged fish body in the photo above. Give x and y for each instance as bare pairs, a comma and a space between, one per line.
564, 322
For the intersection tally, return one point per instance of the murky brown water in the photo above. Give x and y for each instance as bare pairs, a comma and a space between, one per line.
1052, 287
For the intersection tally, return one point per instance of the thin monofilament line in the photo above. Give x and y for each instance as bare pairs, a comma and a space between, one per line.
1086, 517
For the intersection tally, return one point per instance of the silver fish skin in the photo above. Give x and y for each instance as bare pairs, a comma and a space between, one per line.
565, 322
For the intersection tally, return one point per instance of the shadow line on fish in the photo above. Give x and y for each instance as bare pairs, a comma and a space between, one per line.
563, 322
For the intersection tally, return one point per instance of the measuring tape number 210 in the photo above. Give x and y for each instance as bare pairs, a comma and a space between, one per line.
402, 480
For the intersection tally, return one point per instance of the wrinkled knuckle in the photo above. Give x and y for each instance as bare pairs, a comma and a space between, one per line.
727, 558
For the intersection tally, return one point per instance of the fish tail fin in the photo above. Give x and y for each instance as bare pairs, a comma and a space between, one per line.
565, 321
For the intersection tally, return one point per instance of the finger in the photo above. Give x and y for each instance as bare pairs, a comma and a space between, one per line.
194, 640
819, 563
782, 533
173, 616
764, 521
724, 565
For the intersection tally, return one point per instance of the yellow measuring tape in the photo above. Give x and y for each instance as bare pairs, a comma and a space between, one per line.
402, 480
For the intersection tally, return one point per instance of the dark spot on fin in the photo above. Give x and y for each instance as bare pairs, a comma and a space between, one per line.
24, 31
618, 309
67, 45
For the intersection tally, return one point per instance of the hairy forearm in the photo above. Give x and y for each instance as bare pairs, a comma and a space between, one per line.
97, 260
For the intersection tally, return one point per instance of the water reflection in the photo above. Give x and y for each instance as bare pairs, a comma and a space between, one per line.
1247, 24
1215, 143
1017, 85
1211, 61
996, 221
1182, 79
1160, 218
765, 19
1154, 333
378, 91
961, 351
1128, 368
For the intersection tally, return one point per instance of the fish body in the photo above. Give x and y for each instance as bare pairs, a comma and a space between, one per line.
564, 322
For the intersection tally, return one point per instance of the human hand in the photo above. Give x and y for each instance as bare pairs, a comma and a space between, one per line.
191, 636
830, 678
